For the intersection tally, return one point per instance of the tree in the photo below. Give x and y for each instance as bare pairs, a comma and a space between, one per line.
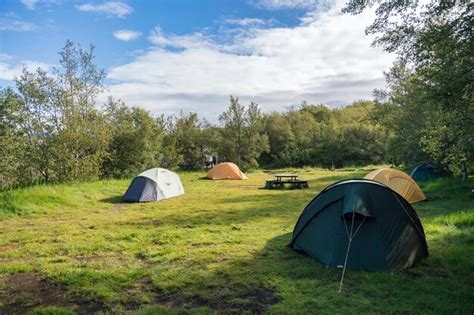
280, 138
135, 143
435, 42
210, 138
316, 135
66, 134
188, 141
321, 113
306, 138
406, 112
243, 140
13, 164
169, 158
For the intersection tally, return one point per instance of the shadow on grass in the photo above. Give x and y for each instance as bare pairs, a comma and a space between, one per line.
276, 279
113, 200
252, 285
239, 286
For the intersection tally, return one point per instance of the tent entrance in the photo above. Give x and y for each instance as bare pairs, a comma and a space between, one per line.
356, 216
141, 189
349, 218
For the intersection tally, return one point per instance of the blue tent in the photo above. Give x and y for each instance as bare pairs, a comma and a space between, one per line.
425, 172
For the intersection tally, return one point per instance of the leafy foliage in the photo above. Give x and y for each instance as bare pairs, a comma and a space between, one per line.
242, 138
315, 135
136, 140
52, 128
431, 86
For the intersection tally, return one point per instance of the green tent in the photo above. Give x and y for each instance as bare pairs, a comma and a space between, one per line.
426, 172
363, 224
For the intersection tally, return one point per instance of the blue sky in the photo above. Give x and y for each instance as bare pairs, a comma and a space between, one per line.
189, 55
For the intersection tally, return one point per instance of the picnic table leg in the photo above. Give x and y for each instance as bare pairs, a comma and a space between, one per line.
272, 185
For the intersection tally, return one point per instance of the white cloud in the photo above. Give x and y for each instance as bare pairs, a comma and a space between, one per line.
327, 59
29, 4
159, 38
15, 24
245, 22
126, 35
288, 4
10, 70
118, 9
5, 57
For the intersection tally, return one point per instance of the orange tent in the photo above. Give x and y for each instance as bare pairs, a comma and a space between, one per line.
398, 181
226, 171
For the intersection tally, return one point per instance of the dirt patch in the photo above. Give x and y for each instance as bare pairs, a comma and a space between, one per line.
9, 247
102, 261
226, 300
178, 300
118, 207
89, 258
24, 292
142, 223
259, 299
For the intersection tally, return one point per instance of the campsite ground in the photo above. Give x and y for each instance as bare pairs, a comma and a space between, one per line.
220, 247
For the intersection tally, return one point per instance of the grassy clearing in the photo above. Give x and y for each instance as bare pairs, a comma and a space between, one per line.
221, 246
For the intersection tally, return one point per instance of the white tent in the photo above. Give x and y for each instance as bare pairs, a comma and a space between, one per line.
154, 184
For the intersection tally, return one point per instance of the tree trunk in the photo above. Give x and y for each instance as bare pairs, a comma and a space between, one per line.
463, 170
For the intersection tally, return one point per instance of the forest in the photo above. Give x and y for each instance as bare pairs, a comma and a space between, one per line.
54, 129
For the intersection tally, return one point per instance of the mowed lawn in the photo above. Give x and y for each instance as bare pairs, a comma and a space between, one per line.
222, 247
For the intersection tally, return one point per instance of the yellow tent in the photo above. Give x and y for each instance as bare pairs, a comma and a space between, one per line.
226, 171
398, 181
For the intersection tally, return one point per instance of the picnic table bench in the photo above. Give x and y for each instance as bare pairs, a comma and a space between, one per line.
282, 179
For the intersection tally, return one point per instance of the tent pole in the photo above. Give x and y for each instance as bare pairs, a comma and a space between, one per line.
347, 253
351, 236
345, 264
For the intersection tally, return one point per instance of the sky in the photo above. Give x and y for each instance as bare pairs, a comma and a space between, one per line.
169, 56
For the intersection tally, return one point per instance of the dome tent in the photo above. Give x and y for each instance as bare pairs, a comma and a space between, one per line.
361, 223
226, 170
154, 184
399, 182
425, 172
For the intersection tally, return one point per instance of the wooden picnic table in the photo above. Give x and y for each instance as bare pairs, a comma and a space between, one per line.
282, 179
290, 176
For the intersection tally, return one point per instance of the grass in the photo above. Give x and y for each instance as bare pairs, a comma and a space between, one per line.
220, 247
